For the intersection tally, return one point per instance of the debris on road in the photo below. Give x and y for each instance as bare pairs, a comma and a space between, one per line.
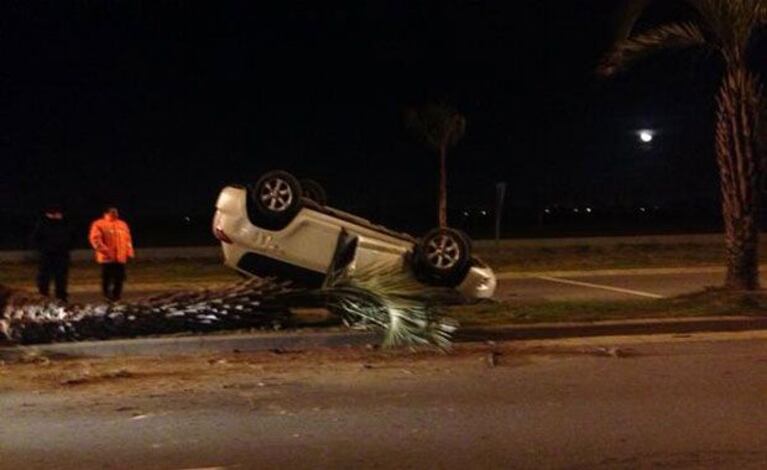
612, 352
89, 378
492, 358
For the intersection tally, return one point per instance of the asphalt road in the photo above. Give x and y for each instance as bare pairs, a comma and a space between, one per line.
693, 402
608, 286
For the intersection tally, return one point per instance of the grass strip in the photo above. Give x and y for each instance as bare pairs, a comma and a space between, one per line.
710, 302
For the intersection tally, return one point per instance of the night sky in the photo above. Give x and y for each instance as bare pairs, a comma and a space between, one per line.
154, 105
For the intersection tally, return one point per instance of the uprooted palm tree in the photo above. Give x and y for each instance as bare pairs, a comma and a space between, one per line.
727, 27
439, 127
379, 299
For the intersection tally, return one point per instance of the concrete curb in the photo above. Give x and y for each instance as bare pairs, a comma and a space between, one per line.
139, 287
190, 345
298, 340
214, 251
613, 328
153, 254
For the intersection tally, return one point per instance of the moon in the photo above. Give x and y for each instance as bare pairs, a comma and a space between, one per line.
645, 136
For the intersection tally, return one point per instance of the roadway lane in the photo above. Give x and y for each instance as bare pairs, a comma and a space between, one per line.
675, 403
556, 286
582, 286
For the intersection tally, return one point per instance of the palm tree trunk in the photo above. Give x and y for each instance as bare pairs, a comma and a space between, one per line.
740, 167
442, 187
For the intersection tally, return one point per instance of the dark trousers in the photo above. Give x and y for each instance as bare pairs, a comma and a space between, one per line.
53, 266
112, 278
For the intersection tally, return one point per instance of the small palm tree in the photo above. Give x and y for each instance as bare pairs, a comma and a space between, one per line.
727, 27
439, 127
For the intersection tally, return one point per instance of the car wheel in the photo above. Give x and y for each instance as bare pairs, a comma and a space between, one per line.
276, 197
314, 191
442, 257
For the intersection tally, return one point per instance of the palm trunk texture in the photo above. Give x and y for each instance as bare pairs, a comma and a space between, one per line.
740, 167
442, 187
387, 301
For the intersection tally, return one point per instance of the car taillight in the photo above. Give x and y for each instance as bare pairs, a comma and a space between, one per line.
221, 235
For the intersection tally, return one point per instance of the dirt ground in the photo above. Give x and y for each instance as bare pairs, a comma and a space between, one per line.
150, 375
248, 373
275, 382
136, 385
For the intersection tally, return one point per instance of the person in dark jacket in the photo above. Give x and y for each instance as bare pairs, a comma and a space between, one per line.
53, 238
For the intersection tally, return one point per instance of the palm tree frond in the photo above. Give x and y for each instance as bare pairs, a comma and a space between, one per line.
760, 8
732, 22
675, 35
385, 298
436, 125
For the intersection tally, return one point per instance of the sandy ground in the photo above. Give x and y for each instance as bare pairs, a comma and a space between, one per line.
145, 376
136, 387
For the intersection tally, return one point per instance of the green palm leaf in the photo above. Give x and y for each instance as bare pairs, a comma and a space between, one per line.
388, 299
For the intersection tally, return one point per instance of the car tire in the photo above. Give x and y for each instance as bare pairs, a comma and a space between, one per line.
276, 199
314, 191
442, 257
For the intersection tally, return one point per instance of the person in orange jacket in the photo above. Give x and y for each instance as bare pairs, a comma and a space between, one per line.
111, 239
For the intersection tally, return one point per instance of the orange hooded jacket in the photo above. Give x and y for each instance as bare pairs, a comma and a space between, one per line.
112, 241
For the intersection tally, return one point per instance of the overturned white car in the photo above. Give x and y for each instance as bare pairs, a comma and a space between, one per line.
281, 227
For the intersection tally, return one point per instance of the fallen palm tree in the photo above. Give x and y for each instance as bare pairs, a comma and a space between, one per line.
381, 300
